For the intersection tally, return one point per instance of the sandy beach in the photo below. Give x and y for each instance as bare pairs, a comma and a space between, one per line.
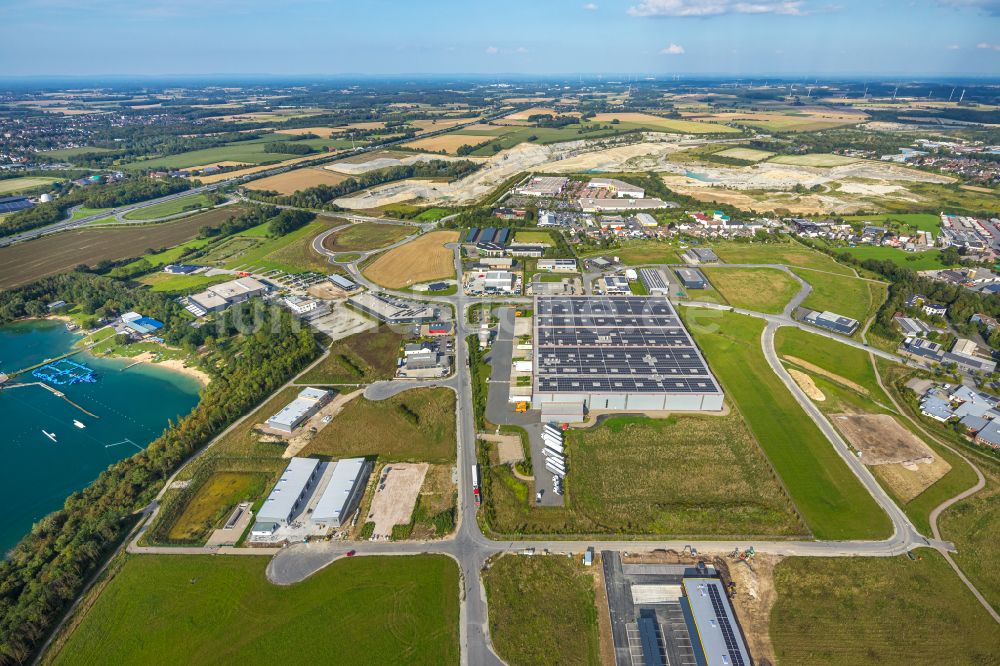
175, 365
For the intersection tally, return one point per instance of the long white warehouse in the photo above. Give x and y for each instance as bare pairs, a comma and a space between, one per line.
343, 492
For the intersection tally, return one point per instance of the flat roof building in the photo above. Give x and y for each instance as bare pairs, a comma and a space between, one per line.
618, 205
308, 402
700, 255
393, 310
615, 285
343, 492
343, 283
656, 284
618, 187
831, 321
221, 296
691, 278
499, 281
289, 492
543, 186
618, 353
716, 635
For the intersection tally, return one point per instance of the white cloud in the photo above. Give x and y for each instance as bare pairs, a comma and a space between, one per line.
953, 47
591, 7
673, 49
715, 7
492, 50
988, 47
520, 49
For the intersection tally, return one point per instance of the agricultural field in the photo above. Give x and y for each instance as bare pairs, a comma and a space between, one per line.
26, 262
64, 153
291, 182
849, 296
630, 120
745, 154
359, 359
172, 207
760, 289
893, 611
367, 236
448, 143
542, 611
10, 186
213, 502
828, 496
789, 253
226, 610
789, 122
686, 475
416, 425
421, 260
815, 160
244, 152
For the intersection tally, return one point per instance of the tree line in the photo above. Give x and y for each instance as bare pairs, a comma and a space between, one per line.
50, 566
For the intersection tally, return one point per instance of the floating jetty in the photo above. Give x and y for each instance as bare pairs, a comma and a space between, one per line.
65, 372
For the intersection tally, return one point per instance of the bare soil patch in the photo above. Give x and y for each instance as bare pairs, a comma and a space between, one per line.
509, 449
815, 369
881, 439
807, 385
395, 496
420, 260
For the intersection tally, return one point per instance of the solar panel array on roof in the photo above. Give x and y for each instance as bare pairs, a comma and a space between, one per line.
487, 235
14, 204
472, 235
502, 236
630, 345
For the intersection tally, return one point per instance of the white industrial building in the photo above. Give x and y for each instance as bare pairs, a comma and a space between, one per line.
343, 492
309, 401
717, 638
393, 310
618, 353
543, 186
557, 265
499, 281
619, 187
288, 496
615, 285
221, 296
618, 205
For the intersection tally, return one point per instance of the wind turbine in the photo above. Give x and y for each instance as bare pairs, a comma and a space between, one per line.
952, 93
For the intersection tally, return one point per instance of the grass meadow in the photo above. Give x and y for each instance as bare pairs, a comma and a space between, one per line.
759, 289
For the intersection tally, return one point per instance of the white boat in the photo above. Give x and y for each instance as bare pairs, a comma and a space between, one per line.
49, 435
78, 424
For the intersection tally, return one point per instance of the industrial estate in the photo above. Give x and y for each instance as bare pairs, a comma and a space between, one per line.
620, 370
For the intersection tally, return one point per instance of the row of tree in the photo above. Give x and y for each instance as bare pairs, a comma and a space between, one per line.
49, 567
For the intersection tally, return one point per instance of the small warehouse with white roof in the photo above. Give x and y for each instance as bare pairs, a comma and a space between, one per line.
288, 496
309, 401
343, 492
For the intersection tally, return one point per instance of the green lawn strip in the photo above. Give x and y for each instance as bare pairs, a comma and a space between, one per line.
180, 284
918, 261
790, 253
829, 497
359, 359
213, 502
80, 213
178, 609
835, 357
638, 252
875, 610
542, 611
921, 221
759, 289
172, 207
417, 425
845, 295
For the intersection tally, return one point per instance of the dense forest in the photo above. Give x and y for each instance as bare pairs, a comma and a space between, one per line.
111, 195
49, 567
322, 196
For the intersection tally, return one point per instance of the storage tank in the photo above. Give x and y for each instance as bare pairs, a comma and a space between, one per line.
45, 198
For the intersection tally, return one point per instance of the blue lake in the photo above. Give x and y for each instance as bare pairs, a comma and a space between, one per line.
130, 407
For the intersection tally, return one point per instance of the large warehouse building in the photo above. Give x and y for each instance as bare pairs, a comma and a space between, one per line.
343, 492
618, 353
286, 499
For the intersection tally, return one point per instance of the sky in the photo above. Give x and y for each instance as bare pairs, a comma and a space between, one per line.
534, 37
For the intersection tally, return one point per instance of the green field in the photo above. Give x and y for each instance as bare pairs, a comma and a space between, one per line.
253, 248
359, 359
875, 610
542, 237
640, 252
64, 153
815, 160
179, 609
542, 611
10, 185
82, 212
759, 289
791, 254
845, 295
180, 284
918, 261
417, 425
172, 207
848, 362
213, 502
367, 236
829, 497
686, 475
922, 221
246, 152
745, 154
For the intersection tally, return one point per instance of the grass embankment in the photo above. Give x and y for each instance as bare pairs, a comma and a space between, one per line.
542, 611
829, 497
209, 610
874, 610
172, 207
180, 284
359, 359
759, 289
367, 236
416, 425
213, 502
847, 380
686, 475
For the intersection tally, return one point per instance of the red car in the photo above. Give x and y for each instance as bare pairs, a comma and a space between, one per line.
350, 553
